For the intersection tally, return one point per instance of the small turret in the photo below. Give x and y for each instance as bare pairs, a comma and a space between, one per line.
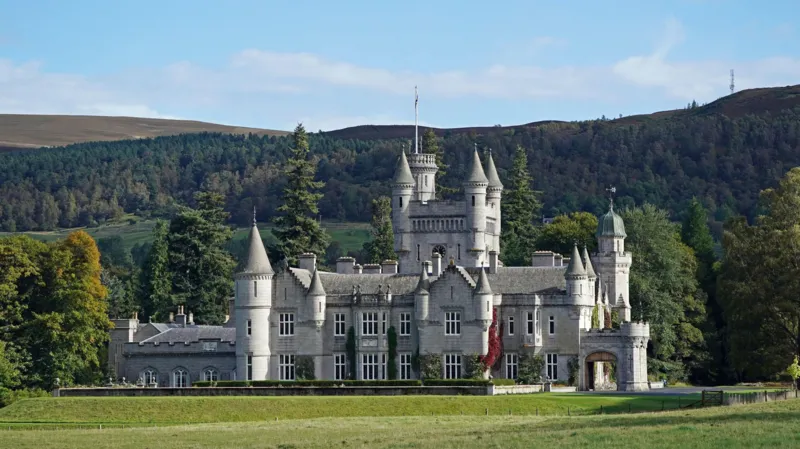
316, 295
422, 295
590, 274
494, 193
577, 280
402, 194
475, 187
483, 297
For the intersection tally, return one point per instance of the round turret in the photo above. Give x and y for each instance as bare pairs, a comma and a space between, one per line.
482, 300
316, 295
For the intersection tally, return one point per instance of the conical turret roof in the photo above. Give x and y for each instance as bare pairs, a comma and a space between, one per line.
316, 289
402, 174
491, 173
476, 174
257, 260
424, 282
589, 268
483, 287
575, 267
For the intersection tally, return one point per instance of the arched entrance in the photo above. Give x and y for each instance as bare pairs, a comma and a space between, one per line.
599, 371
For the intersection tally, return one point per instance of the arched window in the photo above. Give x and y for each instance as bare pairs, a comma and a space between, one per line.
180, 378
210, 375
149, 376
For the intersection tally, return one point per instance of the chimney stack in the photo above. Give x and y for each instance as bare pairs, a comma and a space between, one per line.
493, 262
307, 261
437, 264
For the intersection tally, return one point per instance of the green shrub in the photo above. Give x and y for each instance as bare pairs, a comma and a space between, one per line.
573, 367
8, 397
504, 382
456, 382
530, 369
304, 367
350, 347
474, 367
430, 366
310, 383
595, 317
391, 365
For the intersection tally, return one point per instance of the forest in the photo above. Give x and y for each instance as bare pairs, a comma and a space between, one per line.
665, 161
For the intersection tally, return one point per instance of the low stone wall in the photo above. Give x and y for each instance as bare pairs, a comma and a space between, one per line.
515, 389
731, 398
275, 391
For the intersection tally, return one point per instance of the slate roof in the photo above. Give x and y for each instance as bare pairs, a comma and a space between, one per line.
589, 268
194, 333
476, 174
517, 280
342, 284
491, 173
402, 174
257, 260
483, 287
575, 267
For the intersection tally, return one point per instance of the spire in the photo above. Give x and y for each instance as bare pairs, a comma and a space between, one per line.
257, 260
402, 174
476, 174
589, 269
491, 173
316, 289
483, 287
416, 121
575, 267
424, 282
254, 215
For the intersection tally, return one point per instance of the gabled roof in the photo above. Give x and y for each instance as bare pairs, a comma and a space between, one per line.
257, 260
491, 173
402, 174
476, 174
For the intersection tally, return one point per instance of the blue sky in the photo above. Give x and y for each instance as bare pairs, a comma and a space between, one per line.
274, 63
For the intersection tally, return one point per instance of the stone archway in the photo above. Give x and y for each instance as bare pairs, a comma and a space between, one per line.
598, 371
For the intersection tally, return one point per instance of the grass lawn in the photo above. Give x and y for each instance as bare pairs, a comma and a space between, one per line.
774, 424
213, 409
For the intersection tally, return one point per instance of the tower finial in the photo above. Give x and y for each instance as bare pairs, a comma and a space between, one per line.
254, 215
611, 191
475, 144
416, 121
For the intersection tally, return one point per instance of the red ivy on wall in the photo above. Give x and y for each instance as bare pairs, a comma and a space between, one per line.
495, 344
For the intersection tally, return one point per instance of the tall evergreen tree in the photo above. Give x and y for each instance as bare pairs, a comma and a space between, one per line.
381, 247
430, 145
298, 229
155, 281
202, 270
520, 207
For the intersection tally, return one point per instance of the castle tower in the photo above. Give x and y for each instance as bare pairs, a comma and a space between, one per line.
422, 297
402, 194
613, 262
494, 194
483, 299
253, 302
590, 274
423, 169
475, 188
316, 302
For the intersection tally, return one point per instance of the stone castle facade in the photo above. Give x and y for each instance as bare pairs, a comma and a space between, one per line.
440, 297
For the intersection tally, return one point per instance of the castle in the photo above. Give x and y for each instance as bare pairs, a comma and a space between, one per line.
439, 298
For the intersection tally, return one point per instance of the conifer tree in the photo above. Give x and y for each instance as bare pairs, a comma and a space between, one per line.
201, 268
155, 279
520, 207
381, 247
430, 145
298, 229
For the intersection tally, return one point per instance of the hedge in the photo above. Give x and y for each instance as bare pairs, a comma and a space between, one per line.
357, 383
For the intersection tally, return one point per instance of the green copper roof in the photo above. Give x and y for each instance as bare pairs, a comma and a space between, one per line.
476, 174
611, 225
575, 267
402, 174
491, 173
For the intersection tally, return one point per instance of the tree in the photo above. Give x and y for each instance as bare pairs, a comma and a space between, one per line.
381, 247
566, 230
794, 372
121, 303
520, 207
759, 285
155, 280
663, 291
298, 229
430, 145
202, 270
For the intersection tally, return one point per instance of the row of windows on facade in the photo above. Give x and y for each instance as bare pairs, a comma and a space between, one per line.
179, 377
369, 324
373, 366
437, 225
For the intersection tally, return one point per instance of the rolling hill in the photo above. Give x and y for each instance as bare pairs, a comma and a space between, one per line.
33, 131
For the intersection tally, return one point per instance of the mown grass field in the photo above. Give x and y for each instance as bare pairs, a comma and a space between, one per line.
774, 424
351, 236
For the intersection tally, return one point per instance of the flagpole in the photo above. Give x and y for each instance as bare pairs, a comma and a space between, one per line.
416, 121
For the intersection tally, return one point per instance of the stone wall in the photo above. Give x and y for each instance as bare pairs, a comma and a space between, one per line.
274, 391
515, 389
757, 397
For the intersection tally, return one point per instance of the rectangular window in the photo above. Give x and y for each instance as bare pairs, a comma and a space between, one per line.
249, 372
405, 366
511, 325
552, 325
383, 323
369, 323
552, 366
538, 322
286, 325
370, 369
339, 366
286, 366
512, 364
405, 323
249, 327
255, 289
529, 323
339, 324
452, 366
452, 323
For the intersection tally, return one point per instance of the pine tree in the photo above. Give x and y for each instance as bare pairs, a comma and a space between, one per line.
520, 206
430, 145
201, 268
155, 280
298, 230
381, 247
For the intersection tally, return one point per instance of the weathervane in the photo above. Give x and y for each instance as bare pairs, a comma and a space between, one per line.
611, 191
